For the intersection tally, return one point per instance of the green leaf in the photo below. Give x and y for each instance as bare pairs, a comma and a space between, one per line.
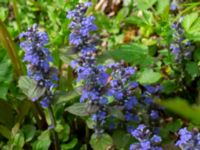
18, 140
148, 18
68, 96
189, 20
173, 126
121, 139
3, 91
102, 142
162, 5
194, 32
135, 54
148, 76
5, 74
121, 15
145, 4
169, 86
5, 131
5, 70
78, 109
102, 21
90, 123
182, 108
116, 113
3, 13
135, 20
70, 145
192, 68
63, 131
196, 54
29, 132
43, 141
30, 88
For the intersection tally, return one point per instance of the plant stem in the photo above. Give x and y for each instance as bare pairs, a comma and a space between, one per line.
53, 132
39, 116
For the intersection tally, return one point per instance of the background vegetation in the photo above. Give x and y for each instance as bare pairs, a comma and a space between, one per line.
137, 31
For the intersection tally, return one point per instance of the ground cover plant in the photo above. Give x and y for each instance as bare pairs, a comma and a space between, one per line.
99, 75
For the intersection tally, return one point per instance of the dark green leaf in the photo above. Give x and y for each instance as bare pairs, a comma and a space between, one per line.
3, 90
43, 141
135, 54
121, 139
5, 132
192, 68
70, 145
169, 86
6, 114
29, 132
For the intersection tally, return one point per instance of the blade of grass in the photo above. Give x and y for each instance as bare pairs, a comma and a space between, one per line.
8, 43
15, 8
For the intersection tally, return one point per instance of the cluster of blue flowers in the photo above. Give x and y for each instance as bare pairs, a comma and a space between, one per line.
181, 47
102, 82
188, 140
146, 140
38, 60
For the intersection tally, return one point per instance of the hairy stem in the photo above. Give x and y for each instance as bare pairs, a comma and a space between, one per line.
53, 132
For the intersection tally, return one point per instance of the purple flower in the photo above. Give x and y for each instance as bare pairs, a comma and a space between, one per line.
185, 136
154, 114
156, 139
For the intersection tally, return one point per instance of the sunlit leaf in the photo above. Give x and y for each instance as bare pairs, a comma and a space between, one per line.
148, 76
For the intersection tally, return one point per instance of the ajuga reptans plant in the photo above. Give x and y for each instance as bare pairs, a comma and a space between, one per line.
38, 59
107, 87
